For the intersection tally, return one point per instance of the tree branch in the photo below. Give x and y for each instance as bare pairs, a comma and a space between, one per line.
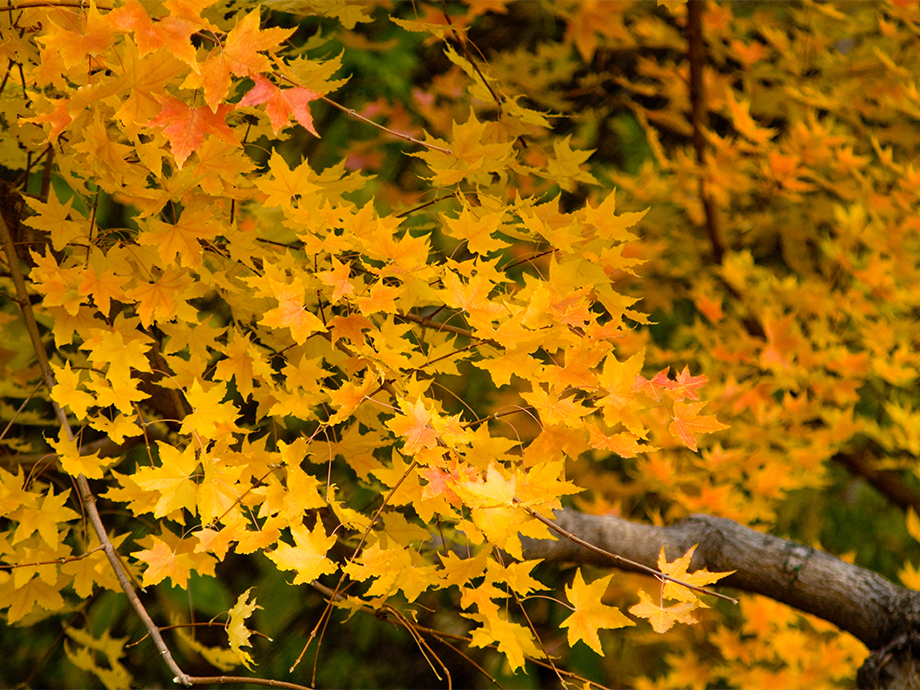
696, 55
888, 482
856, 600
86, 494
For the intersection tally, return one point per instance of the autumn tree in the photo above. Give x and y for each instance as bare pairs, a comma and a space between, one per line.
329, 315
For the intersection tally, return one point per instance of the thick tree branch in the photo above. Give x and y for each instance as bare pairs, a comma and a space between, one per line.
882, 615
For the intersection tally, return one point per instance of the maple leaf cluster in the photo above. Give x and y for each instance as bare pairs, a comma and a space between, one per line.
277, 338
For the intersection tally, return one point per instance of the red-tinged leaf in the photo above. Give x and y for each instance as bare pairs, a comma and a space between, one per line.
686, 386
58, 118
281, 104
438, 484
652, 388
239, 55
686, 422
185, 126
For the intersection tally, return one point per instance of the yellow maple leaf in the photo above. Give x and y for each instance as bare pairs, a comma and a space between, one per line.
236, 628
678, 570
285, 184
292, 313
210, 418
566, 168
591, 613
477, 230
308, 558
183, 237
173, 480
112, 673
43, 519
66, 391
512, 639
74, 463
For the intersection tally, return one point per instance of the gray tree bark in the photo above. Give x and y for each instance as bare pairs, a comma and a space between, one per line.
882, 615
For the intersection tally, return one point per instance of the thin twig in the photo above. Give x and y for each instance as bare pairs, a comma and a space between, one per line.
223, 680
32, 4
86, 495
392, 132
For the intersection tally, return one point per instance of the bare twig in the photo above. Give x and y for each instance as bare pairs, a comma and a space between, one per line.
392, 132
86, 495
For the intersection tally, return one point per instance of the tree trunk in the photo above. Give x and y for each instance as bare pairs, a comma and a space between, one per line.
881, 614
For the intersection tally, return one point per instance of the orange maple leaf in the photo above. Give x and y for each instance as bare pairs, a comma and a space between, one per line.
292, 313
554, 410
239, 55
337, 279
173, 32
415, 426
93, 38
185, 126
172, 557
624, 444
280, 104
58, 118
663, 617
686, 422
